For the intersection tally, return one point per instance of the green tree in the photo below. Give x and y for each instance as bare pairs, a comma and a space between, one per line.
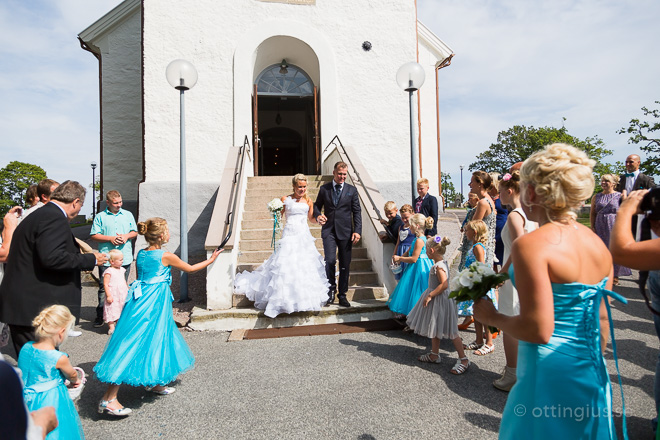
449, 193
15, 179
646, 134
519, 142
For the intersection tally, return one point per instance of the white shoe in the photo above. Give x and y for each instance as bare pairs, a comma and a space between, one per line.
507, 381
74, 333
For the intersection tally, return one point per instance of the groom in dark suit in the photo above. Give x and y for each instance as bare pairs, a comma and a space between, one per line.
342, 226
44, 264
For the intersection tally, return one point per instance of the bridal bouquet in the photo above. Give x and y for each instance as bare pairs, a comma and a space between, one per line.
475, 282
276, 207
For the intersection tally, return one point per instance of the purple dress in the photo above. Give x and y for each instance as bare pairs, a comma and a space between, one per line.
606, 206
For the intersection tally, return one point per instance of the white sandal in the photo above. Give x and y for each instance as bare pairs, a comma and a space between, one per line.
459, 368
121, 412
162, 392
427, 358
484, 350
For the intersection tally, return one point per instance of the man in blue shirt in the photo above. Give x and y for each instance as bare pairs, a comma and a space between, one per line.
114, 228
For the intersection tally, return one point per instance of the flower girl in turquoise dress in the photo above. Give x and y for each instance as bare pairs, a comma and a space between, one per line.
44, 369
414, 280
146, 348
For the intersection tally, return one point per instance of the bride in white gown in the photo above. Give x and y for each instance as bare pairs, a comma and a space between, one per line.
293, 278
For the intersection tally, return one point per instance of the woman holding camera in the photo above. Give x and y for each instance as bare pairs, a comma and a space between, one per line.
643, 255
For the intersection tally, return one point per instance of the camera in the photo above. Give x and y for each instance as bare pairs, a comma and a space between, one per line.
650, 210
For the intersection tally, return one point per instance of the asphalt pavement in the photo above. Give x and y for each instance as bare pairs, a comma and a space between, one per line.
348, 386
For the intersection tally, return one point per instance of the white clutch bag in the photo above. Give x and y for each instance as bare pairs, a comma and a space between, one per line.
396, 268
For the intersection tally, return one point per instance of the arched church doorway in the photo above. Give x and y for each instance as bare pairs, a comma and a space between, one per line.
286, 122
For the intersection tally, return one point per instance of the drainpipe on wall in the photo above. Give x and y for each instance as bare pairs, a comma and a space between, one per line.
446, 62
86, 47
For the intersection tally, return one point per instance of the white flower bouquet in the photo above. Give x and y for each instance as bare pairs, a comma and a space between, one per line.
276, 207
475, 282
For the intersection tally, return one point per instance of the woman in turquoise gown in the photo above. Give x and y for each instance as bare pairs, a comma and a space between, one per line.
415, 278
563, 273
146, 348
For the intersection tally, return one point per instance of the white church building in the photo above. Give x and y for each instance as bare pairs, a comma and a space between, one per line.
292, 80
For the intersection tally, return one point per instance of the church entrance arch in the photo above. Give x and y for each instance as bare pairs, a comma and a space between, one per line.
285, 104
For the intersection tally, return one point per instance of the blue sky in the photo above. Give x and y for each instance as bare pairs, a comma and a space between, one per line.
594, 62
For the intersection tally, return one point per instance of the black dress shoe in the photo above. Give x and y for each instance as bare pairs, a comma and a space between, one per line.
331, 297
343, 302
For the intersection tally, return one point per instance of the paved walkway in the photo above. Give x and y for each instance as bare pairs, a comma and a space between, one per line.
355, 386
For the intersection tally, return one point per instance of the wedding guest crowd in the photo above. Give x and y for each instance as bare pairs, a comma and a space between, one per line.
553, 311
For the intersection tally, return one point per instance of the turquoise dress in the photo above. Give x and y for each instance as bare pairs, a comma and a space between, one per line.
146, 348
465, 307
413, 283
44, 386
567, 374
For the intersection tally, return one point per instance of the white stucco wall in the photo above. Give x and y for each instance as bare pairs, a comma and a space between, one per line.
121, 108
363, 105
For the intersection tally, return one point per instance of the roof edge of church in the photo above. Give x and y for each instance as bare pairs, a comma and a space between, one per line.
116, 16
433, 42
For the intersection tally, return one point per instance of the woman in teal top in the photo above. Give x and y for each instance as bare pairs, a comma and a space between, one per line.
563, 273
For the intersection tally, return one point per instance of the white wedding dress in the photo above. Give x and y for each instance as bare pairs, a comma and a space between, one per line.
293, 278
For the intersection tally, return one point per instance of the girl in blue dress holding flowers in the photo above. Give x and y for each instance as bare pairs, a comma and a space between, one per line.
146, 348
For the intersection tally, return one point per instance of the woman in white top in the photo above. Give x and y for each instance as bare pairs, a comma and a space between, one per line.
516, 225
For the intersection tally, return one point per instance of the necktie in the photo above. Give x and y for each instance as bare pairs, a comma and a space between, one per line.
418, 205
335, 196
630, 174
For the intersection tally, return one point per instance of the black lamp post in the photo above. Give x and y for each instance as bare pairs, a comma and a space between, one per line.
93, 189
461, 167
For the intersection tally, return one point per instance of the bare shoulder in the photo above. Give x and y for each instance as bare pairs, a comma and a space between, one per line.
283, 198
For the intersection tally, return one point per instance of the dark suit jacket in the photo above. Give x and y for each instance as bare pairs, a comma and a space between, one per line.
343, 219
430, 209
642, 182
43, 267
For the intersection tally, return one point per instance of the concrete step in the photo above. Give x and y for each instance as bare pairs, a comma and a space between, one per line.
286, 180
265, 250
277, 191
357, 293
250, 318
267, 223
246, 262
266, 234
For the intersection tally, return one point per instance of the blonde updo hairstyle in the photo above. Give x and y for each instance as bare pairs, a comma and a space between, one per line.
299, 178
512, 183
438, 244
421, 223
153, 230
51, 320
612, 178
494, 187
484, 179
562, 179
480, 230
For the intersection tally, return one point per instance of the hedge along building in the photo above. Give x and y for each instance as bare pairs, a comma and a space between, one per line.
291, 73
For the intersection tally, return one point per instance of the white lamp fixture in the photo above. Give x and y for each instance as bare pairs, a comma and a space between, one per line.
410, 76
181, 74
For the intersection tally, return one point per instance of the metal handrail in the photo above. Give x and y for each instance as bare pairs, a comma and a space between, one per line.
355, 171
233, 199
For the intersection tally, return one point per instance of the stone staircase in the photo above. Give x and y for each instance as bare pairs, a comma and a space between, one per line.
257, 230
366, 294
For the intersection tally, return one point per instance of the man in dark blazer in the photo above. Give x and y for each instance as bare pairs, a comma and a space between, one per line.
427, 205
44, 264
342, 225
633, 179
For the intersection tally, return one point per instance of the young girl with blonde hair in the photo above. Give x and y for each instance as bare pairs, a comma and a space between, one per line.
146, 348
116, 289
44, 369
414, 280
435, 315
477, 232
